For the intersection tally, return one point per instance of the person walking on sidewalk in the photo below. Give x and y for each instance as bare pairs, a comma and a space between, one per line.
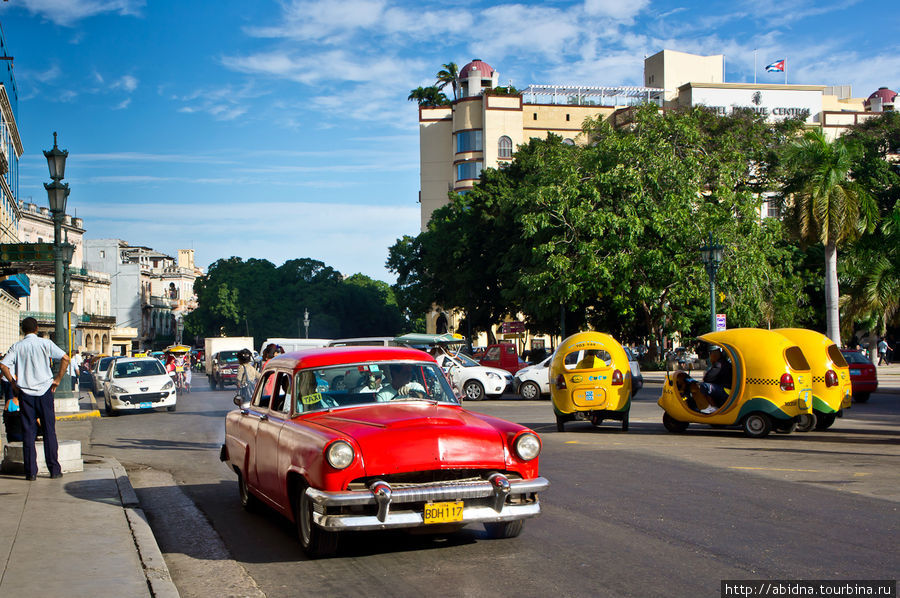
30, 358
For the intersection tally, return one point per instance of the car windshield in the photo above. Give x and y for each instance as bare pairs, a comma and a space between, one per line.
856, 357
135, 369
228, 356
104, 363
465, 360
372, 382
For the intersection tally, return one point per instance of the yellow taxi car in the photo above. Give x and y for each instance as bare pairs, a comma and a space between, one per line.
831, 388
590, 380
770, 388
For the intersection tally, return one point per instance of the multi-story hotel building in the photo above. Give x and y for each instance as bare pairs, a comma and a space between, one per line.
484, 126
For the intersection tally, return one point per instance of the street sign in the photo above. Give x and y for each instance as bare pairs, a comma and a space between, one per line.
26, 252
720, 322
512, 327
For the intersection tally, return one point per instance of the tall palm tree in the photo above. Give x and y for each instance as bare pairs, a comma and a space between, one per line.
449, 75
876, 289
824, 205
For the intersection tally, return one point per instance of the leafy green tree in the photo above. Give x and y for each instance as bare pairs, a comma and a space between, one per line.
449, 75
823, 204
256, 298
607, 234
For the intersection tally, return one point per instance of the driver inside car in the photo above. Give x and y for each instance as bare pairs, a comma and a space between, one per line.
712, 393
401, 384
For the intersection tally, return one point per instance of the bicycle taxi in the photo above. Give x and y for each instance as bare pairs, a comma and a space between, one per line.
831, 388
590, 380
178, 364
771, 386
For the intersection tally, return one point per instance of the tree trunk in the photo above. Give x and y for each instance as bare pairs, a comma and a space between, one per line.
832, 313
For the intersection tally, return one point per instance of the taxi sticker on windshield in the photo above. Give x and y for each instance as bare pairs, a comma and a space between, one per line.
311, 399
368, 368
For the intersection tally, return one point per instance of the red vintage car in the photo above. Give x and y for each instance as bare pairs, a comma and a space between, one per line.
863, 375
372, 438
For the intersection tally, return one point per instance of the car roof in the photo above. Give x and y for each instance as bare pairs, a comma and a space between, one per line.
326, 356
131, 359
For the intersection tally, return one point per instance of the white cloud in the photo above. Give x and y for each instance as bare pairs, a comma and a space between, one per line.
126, 82
123, 104
68, 12
614, 9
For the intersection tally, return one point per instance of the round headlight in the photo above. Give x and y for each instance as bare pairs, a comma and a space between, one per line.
528, 446
339, 454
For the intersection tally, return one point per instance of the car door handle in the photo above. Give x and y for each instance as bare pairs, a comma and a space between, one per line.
263, 417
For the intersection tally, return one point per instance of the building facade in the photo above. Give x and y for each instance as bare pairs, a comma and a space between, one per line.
16, 286
151, 292
91, 321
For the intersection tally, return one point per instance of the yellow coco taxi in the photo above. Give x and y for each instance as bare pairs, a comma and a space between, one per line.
770, 388
831, 389
590, 379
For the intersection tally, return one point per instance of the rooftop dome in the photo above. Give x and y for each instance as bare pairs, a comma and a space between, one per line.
484, 68
887, 96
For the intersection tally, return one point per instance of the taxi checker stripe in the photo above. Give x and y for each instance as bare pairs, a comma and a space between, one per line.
762, 381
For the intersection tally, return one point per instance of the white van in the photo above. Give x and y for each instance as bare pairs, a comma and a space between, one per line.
295, 344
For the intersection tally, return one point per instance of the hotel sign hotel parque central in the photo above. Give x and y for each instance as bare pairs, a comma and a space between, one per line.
774, 104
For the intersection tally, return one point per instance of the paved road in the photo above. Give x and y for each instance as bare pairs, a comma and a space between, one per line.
645, 513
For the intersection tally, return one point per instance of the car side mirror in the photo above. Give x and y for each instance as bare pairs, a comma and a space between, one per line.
238, 400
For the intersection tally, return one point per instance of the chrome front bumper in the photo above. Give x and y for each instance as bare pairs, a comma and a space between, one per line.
401, 507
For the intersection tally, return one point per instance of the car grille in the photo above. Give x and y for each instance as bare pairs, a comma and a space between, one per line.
144, 397
446, 477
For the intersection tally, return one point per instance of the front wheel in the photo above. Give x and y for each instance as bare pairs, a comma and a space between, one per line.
503, 529
757, 425
560, 424
807, 422
530, 390
473, 390
315, 541
673, 425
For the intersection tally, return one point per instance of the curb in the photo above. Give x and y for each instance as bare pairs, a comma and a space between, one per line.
158, 578
81, 415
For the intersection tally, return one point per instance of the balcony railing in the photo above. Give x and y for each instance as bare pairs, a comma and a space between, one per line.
43, 317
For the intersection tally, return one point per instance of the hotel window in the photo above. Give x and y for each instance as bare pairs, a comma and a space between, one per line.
468, 141
772, 210
468, 170
504, 147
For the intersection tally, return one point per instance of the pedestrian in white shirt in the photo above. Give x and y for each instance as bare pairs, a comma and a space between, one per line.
33, 379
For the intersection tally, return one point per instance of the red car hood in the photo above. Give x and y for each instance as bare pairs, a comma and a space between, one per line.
402, 437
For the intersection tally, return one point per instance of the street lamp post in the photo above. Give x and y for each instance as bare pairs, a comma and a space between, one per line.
57, 194
306, 321
711, 256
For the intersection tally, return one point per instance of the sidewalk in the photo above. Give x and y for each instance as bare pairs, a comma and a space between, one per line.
82, 535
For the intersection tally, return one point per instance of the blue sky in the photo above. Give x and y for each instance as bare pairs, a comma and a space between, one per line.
281, 129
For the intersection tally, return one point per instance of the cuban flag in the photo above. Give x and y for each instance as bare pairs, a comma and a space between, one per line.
776, 67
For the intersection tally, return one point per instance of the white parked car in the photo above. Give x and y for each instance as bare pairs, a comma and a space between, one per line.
533, 381
98, 374
138, 383
473, 379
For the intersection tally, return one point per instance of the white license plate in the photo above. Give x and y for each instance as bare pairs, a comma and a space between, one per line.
855, 372
146, 405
